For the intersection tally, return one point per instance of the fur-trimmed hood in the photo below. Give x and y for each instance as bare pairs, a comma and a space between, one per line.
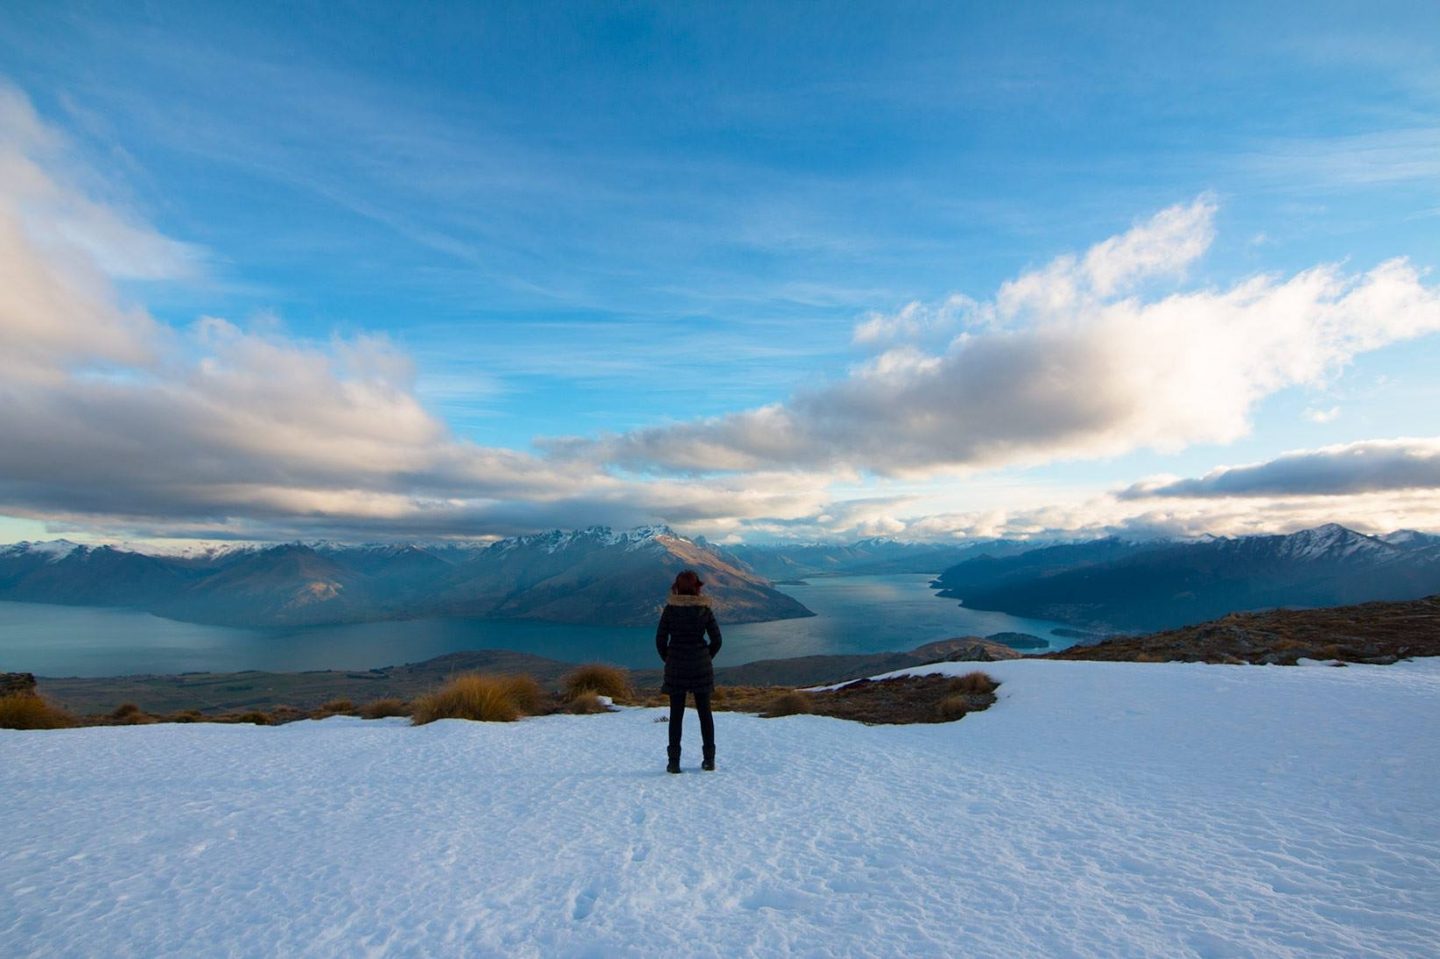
681, 599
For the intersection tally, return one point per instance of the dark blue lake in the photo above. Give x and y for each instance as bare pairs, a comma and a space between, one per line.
855, 614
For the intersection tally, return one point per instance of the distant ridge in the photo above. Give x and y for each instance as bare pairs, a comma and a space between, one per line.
1120, 586
866, 557
597, 575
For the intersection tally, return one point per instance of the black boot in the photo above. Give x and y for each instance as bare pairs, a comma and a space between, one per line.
708, 764
674, 766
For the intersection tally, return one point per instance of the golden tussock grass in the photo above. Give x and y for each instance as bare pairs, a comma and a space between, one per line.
953, 707
525, 693
129, 714
976, 682
253, 717
598, 678
792, 703
29, 711
474, 696
586, 704
381, 708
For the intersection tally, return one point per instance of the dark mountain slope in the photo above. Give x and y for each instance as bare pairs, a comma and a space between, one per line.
1174, 584
86, 576
589, 576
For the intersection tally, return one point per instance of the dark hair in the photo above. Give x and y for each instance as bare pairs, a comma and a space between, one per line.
687, 583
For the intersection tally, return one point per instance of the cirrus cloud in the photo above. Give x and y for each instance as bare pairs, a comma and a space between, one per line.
111, 420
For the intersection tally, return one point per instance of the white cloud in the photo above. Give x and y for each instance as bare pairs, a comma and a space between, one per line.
1109, 515
113, 420
67, 223
1071, 363
916, 320
1365, 467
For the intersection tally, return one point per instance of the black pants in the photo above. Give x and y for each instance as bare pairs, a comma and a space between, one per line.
677, 718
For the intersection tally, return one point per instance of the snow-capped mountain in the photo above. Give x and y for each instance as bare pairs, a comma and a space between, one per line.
1411, 539
872, 556
1160, 585
1328, 542
596, 575
52, 550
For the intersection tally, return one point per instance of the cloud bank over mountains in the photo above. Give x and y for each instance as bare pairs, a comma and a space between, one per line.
1367, 467
114, 421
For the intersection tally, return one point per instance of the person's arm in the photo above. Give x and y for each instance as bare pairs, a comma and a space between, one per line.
712, 629
662, 636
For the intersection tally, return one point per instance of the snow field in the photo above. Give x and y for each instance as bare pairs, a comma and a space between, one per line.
1097, 810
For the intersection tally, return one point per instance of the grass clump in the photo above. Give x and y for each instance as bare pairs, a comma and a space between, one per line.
253, 717
598, 678
129, 714
586, 704
29, 711
381, 708
474, 696
952, 708
792, 703
976, 683
525, 693
335, 707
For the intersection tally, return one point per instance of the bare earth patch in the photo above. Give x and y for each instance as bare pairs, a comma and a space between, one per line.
897, 701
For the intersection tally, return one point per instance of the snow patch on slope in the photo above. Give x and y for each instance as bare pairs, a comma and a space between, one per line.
1331, 541
54, 550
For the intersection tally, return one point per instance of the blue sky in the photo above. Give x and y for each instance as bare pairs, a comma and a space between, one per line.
630, 226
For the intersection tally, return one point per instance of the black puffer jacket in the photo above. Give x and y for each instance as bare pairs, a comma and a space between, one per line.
680, 641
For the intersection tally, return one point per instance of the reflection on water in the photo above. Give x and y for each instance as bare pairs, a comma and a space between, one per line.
855, 614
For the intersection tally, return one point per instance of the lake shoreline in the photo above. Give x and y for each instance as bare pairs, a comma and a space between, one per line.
214, 693
854, 615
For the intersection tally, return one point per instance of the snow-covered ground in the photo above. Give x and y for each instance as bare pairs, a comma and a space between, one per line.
1099, 809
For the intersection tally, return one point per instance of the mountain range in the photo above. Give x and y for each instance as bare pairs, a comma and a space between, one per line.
606, 577
1116, 585
866, 557
595, 576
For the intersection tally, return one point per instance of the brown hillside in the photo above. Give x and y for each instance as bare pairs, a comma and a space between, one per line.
1367, 633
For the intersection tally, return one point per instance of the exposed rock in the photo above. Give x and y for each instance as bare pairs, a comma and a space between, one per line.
11, 683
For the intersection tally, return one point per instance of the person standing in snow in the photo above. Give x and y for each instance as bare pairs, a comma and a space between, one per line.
680, 639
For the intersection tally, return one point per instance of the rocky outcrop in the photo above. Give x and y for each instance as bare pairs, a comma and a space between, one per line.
12, 683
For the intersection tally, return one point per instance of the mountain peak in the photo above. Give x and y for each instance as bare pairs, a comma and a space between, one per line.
1329, 540
1408, 538
54, 549
556, 540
